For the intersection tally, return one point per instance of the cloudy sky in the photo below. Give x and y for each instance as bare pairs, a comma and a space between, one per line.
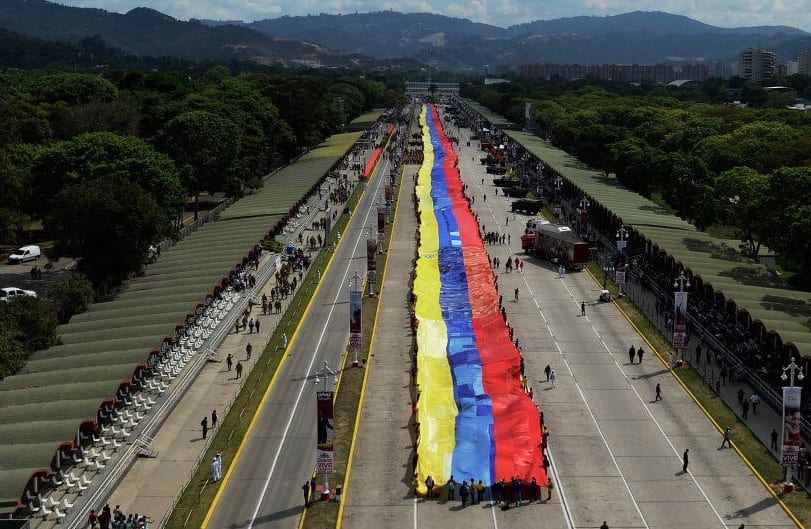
724, 13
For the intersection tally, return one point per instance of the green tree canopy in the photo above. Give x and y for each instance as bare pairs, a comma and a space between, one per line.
90, 156
108, 224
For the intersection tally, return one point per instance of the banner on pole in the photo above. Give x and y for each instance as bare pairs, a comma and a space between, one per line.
371, 259
355, 318
381, 219
325, 453
680, 320
791, 426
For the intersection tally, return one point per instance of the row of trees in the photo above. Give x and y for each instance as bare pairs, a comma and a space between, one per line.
106, 163
714, 164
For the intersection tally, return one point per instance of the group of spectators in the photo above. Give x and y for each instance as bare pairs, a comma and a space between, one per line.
116, 519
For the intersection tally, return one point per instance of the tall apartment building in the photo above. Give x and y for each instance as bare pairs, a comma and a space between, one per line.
804, 62
756, 64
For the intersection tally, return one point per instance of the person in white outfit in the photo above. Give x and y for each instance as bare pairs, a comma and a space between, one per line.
216, 467
552, 377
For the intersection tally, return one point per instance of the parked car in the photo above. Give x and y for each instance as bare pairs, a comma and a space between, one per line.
9, 293
25, 253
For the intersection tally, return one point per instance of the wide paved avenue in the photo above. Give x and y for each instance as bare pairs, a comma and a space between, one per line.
616, 455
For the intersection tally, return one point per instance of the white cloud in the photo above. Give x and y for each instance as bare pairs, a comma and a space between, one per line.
796, 13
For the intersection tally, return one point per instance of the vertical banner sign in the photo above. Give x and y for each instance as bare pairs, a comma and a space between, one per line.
371, 259
680, 321
791, 426
324, 459
355, 315
381, 219
620, 277
621, 245
389, 194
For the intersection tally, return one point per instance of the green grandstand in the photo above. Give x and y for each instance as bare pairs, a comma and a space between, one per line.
43, 406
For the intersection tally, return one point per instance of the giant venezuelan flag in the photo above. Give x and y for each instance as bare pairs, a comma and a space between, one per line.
475, 420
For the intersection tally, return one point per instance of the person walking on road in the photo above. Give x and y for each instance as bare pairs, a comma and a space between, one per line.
463, 492
582, 308
755, 400
726, 439
248, 350
605, 525
741, 396
631, 354
250, 326
658, 392
451, 486
775, 435
552, 377
547, 370
429, 484
670, 361
229, 361
306, 489
204, 425
239, 369
213, 419
639, 353
745, 409
685, 460
516, 293
256, 323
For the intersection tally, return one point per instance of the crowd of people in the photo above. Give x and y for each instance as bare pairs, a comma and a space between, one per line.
116, 519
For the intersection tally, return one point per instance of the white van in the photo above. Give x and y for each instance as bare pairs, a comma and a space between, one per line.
26, 253
9, 293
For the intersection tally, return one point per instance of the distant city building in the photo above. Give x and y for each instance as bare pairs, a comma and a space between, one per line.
419, 88
804, 62
495, 80
792, 67
629, 73
756, 64
721, 70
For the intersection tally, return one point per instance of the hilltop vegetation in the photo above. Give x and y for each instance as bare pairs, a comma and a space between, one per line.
715, 164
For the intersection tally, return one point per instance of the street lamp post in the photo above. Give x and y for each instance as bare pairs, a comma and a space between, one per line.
325, 372
681, 282
585, 204
792, 368
622, 236
609, 269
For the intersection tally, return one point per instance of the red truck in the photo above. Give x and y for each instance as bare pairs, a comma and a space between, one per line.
556, 242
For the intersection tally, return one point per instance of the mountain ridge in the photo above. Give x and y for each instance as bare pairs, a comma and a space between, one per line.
371, 40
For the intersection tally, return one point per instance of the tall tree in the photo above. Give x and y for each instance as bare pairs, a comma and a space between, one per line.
108, 224
740, 196
204, 145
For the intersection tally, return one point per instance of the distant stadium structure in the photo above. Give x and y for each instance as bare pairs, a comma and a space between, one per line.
431, 88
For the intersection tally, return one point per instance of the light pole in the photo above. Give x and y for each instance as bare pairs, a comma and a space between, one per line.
355, 336
585, 204
791, 368
680, 317
622, 236
609, 269
371, 258
324, 372
558, 181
